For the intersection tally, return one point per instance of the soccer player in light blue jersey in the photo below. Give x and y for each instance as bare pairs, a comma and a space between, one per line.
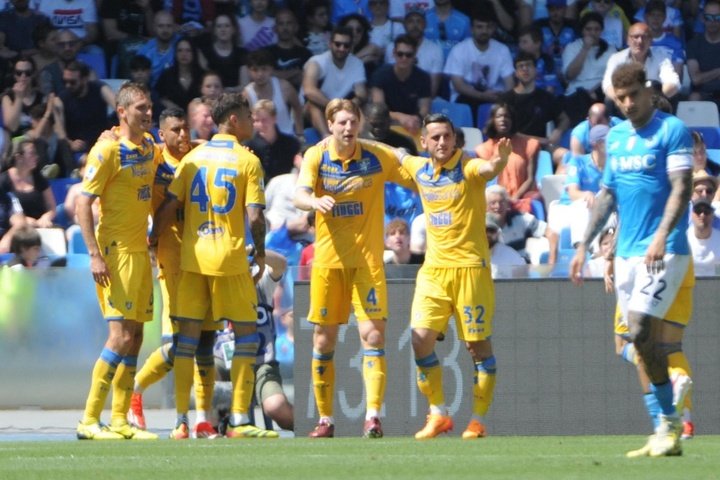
648, 180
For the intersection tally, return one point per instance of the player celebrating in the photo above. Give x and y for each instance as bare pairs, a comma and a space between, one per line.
343, 179
175, 134
218, 183
120, 172
648, 177
455, 278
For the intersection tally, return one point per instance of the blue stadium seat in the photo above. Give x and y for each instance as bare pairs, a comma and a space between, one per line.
713, 155
565, 242
312, 136
565, 139
483, 113
60, 187
77, 260
95, 59
537, 208
76, 244
544, 167
711, 136
61, 217
459, 113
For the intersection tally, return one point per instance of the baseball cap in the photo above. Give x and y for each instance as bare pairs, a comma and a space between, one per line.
557, 3
701, 203
598, 132
415, 10
702, 175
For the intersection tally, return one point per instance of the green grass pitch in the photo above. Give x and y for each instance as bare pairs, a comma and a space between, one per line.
446, 458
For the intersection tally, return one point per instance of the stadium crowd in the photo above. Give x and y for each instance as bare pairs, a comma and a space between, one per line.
536, 72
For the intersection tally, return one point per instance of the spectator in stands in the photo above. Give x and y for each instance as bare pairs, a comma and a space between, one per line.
140, 68
378, 128
180, 83
73, 193
479, 67
598, 264
51, 76
277, 151
26, 245
384, 30
703, 59
397, 244
200, 119
317, 37
532, 10
657, 62
161, 48
534, 107
582, 184
48, 132
334, 74
700, 159
45, 39
257, 27
16, 30
530, 42
24, 180
211, 86
518, 177
21, 97
222, 53
85, 104
279, 209
580, 135
11, 218
407, 109
584, 62
428, 53
501, 255
615, 22
448, 26
265, 85
194, 18
673, 22
78, 16
557, 32
362, 48
341, 8
517, 226
704, 186
126, 27
290, 55
704, 239
655, 15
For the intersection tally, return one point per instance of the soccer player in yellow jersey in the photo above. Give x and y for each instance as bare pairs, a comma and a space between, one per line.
455, 278
175, 134
120, 172
217, 184
343, 180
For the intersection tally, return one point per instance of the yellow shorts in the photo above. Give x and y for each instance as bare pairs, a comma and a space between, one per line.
129, 296
333, 290
214, 299
467, 293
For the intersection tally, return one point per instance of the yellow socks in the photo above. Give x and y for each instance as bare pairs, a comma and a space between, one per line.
374, 376
102, 377
483, 386
323, 377
429, 380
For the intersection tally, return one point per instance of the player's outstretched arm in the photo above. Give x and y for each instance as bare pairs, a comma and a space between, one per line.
680, 193
494, 166
604, 205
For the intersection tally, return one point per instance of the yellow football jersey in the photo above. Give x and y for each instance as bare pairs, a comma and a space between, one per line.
351, 235
453, 199
121, 174
216, 181
168, 249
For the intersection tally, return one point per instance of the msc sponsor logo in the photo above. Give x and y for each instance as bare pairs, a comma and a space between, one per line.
340, 185
633, 163
442, 195
347, 209
440, 219
210, 230
143, 193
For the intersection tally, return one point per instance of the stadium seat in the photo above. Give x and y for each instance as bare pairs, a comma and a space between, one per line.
538, 250
537, 208
53, 241
544, 167
95, 59
565, 139
711, 136
60, 187
459, 113
62, 219
483, 113
312, 136
698, 113
713, 155
75, 243
473, 138
77, 260
551, 188
565, 241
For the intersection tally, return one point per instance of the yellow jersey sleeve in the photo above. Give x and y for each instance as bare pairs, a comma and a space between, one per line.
255, 196
309, 168
102, 166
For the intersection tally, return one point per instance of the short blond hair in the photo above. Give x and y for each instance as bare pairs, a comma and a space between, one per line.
129, 91
337, 104
264, 105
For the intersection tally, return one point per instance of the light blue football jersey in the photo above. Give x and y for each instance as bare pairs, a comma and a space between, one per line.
636, 170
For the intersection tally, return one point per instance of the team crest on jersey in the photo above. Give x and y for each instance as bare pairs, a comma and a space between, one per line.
90, 173
143, 193
323, 312
128, 305
364, 165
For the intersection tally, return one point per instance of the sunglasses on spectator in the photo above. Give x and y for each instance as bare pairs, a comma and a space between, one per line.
703, 211
404, 54
710, 17
341, 44
26, 73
